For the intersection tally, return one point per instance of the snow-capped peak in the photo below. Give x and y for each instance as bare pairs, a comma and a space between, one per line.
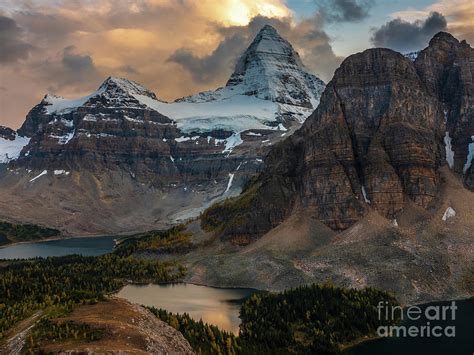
270, 69
130, 87
115, 91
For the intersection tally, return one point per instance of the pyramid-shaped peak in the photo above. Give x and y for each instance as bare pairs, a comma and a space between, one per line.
268, 29
129, 86
268, 40
267, 46
271, 69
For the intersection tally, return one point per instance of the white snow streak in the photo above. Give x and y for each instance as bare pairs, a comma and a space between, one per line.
44, 172
470, 156
365, 195
229, 183
449, 213
449, 150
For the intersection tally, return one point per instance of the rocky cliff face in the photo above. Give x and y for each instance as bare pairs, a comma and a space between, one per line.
374, 143
199, 148
446, 66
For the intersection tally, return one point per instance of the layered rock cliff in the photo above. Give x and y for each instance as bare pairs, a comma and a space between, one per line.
187, 153
374, 143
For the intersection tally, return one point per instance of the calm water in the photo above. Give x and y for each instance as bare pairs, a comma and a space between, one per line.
462, 343
88, 246
218, 306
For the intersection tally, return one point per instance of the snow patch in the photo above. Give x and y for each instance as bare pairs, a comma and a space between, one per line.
449, 150
130, 119
44, 172
232, 142
470, 156
229, 183
61, 172
65, 138
365, 195
450, 212
10, 150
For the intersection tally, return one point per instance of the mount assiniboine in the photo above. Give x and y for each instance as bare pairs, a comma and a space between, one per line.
120, 159
375, 189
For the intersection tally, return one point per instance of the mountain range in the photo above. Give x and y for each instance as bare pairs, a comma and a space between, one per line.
375, 189
365, 181
121, 159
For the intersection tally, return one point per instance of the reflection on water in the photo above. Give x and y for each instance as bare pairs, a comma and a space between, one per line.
216, 306
88, 246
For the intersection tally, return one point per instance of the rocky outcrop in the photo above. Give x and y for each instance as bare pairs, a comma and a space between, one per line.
126, 329
374, 143
7, 133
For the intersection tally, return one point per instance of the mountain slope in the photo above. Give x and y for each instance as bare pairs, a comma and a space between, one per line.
374, 143
369, 192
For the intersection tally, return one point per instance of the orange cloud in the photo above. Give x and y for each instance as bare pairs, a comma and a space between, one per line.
135, 39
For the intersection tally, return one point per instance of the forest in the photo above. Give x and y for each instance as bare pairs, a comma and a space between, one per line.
10, 233
315, 319
174, 240
204, 338
30, 285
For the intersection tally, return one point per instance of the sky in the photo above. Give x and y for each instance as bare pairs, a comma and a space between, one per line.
181, 47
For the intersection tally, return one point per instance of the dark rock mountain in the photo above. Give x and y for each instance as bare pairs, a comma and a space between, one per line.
375, 142
446, 66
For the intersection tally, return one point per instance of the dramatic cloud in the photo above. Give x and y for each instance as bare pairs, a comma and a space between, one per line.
459, 13
205, 69
175, 48
406, 36
307, 37
76, 62
346, 10
12, 45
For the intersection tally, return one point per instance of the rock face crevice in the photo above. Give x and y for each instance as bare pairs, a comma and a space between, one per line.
374, 142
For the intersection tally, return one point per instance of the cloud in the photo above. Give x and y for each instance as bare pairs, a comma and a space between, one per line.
12, 45
406, 36
459, 14
205, 69
175, 48
77, 62
345, 10
307, 36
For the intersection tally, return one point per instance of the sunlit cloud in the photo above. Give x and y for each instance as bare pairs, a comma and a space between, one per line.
459, 13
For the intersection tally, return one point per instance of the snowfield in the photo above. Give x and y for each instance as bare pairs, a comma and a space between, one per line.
10, 150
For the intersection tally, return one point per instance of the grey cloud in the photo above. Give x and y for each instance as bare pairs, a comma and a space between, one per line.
404, 36
205, 69
345, 10
12, 45
77, 62
71, 70
307, 35
128, 69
